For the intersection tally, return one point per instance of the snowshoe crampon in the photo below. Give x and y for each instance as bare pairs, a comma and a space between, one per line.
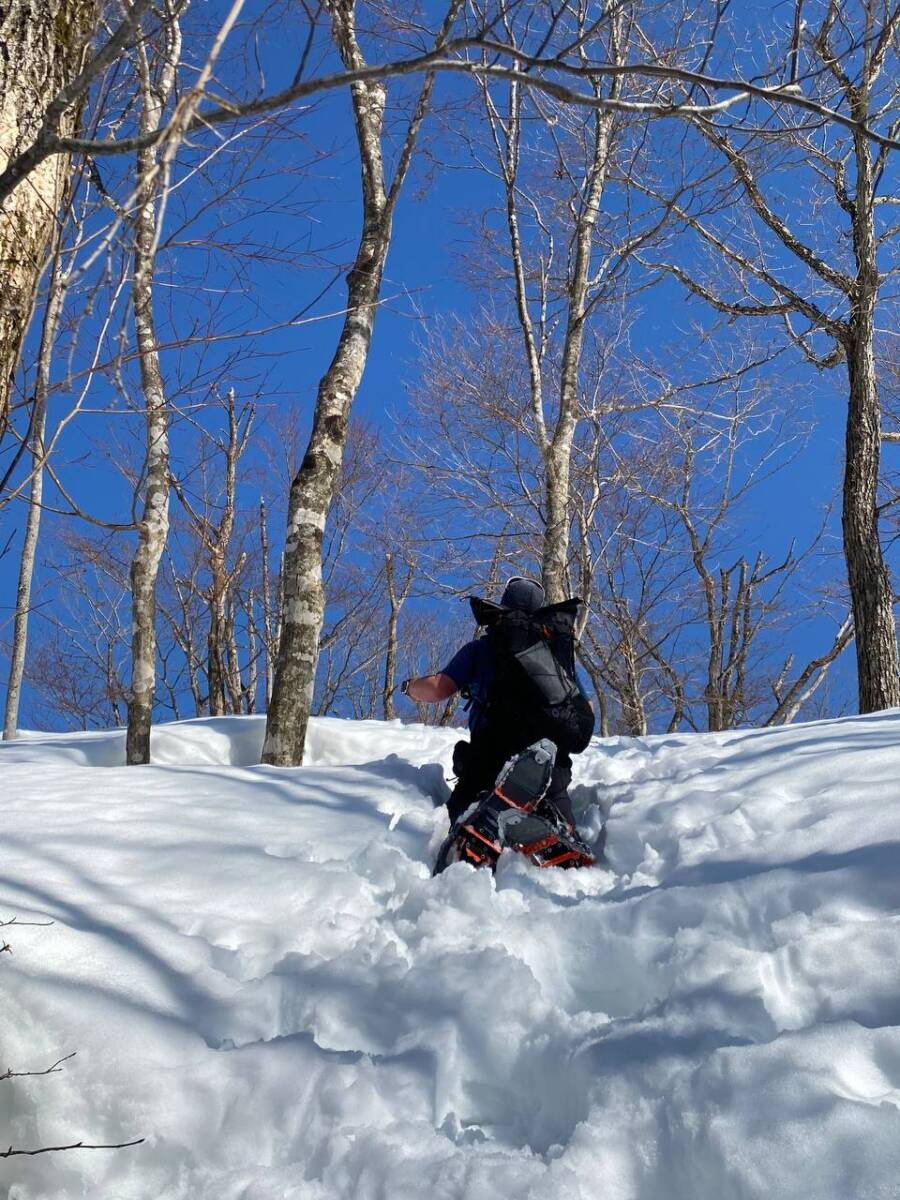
515, 816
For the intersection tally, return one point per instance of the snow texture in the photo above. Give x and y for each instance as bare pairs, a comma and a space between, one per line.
260, 976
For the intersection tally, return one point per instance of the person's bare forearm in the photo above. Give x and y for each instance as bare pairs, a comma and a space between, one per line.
430, 689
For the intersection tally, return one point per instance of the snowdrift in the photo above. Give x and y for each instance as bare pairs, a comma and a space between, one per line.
261, 978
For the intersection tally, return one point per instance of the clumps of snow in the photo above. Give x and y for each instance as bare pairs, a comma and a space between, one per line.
261, 977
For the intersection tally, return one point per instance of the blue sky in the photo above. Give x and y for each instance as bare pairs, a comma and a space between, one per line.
422, 291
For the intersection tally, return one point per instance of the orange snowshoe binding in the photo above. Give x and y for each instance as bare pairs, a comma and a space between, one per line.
516, 816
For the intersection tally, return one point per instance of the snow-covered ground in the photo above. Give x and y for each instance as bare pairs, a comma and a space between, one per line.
260, 976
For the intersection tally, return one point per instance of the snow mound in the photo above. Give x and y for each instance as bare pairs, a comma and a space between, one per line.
261, 977
231, 742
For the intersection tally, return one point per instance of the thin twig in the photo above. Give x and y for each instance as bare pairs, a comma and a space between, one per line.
11, 1074
11, 1153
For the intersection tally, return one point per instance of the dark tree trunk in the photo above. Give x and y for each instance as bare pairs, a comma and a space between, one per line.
871, 593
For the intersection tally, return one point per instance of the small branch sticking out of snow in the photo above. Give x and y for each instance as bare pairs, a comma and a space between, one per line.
11, 1074
10, 1153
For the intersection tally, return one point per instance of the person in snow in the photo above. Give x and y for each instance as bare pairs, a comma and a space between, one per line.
495, 726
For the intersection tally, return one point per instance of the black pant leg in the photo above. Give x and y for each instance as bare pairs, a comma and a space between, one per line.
479, 771
558, 792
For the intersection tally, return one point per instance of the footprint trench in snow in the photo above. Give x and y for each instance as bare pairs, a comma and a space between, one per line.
257, 967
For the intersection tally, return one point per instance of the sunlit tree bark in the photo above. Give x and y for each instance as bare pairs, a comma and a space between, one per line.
313, 487
153, 525
42, 47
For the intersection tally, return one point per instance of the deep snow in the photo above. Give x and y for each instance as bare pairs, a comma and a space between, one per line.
260, 976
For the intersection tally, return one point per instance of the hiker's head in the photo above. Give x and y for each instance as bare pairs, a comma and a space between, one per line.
522, 594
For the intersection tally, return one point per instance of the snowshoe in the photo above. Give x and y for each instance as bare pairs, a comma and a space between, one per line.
516, 816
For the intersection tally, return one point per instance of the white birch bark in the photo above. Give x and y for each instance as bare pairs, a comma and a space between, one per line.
313, 488
555, 441
153, 526
558, 451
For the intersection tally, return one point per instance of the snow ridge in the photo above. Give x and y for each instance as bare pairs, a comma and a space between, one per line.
260, 975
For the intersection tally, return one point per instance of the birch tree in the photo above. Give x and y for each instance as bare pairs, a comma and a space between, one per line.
313, 488
822, 278
153, 525
554, 430
154, 166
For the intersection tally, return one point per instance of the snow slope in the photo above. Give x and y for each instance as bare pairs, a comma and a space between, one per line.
260, 976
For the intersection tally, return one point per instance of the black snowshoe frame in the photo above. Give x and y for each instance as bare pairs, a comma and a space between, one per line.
516, 816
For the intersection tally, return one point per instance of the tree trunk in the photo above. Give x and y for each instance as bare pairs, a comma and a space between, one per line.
313, 487
312, 490
389, 712
633, 711
871, 594
52, 314
599, 692
558, 453
41, 49
255, 650
216, 669
233, 658
396, 600
153, 527
870, 586
267, 634
23, 592
310, 500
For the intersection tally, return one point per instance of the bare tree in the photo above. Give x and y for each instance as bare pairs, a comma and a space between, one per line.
583, 278
556, 54
828, 296
153, 525
706, 467
267, 631
313, 488
222, 672
77, 663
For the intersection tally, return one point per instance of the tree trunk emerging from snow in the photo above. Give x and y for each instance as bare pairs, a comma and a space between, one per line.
41, 49
312, 490
153, 526
313, 487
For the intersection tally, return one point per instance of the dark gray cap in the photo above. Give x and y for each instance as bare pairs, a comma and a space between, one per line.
523, 594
